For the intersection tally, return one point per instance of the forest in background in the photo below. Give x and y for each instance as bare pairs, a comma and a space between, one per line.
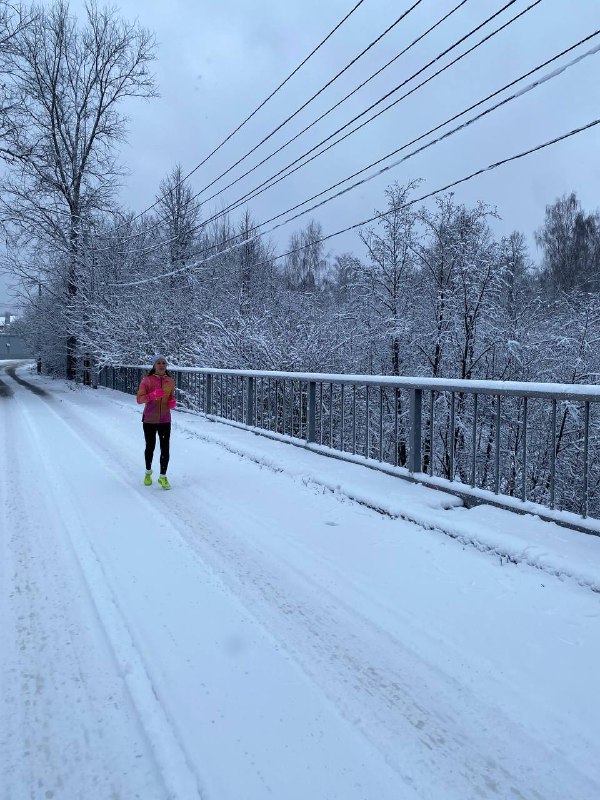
428, 290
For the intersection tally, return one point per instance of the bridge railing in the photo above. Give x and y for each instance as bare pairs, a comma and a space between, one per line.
500, 440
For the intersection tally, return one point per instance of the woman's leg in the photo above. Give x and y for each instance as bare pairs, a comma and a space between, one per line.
150, 437
164, 436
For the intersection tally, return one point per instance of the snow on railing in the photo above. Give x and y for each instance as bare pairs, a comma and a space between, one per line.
507, 441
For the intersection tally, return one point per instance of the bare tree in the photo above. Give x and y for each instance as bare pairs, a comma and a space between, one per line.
570, 242
306, 263
391, 266
14, 18
180, 213
516, 269
70, 81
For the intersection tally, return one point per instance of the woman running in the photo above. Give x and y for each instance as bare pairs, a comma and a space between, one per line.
157, 392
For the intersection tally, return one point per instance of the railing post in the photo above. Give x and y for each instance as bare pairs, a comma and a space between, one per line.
320, 411
497, 454
415, 435
209, 393
342, 409
474, 443
353, 419
381, 423
553, 457
251, 391
431, 427
452, 434
586, 440
524, 456
312, 407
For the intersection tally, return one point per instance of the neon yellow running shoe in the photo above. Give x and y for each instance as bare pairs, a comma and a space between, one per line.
164, 482
148, 478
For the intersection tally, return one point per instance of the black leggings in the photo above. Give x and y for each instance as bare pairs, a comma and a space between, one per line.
164, 434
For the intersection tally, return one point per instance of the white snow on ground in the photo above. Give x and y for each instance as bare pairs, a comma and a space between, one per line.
519, 538
257, 633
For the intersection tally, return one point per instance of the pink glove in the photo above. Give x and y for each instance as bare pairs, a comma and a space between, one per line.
155, 394
172, 403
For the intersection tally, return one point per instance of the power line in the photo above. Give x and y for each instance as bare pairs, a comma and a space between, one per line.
452, 185
240, 126
544, 79
350, 94
520, 93
397, 88
278, 176
260, 106
319, 92
377, 216
288, 119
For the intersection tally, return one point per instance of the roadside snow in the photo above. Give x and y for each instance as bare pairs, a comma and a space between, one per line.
516, 537
256, 632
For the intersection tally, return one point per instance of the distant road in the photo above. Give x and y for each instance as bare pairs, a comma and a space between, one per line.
12, 347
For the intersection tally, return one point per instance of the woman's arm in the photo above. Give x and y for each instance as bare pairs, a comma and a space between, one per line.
144, 396
142, 393
172, 402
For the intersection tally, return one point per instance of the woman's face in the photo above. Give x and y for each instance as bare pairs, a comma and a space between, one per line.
160, 366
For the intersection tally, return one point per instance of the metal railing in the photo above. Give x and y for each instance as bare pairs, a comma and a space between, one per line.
533, 442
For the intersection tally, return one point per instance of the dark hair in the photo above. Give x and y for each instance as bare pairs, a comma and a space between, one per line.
153, 372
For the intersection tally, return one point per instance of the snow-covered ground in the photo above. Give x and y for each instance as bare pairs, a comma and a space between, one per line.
258, 632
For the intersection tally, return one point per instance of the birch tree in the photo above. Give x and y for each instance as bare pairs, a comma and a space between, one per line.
306, 264
570, 243
389, 270
179, 212
14, 18
70, 81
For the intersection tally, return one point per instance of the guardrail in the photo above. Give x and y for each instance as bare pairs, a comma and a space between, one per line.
536, 443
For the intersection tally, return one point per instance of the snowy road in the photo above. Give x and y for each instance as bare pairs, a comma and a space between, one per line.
249, 635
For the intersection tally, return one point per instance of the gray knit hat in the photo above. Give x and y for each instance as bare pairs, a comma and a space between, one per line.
158, 357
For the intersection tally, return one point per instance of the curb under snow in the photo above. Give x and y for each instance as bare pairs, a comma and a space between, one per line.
518, 538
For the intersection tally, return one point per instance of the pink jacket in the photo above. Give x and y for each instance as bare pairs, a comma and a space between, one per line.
156, 410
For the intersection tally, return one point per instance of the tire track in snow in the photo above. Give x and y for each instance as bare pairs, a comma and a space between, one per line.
69, 729
371, 676
5, 391
350, 773
32, 388
371, 680
180, 780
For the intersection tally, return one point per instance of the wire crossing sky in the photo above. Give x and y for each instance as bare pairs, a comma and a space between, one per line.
453, 131
266, 100
407, 80
291, 116
357, 225
217, 60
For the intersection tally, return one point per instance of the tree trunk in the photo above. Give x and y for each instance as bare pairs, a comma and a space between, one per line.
71, 297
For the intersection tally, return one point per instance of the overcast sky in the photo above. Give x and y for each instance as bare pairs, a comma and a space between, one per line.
218, 60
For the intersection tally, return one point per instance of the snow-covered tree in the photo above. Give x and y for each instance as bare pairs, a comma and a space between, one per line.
179, 215
570, 243
306, 264
388, 274
70, 81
